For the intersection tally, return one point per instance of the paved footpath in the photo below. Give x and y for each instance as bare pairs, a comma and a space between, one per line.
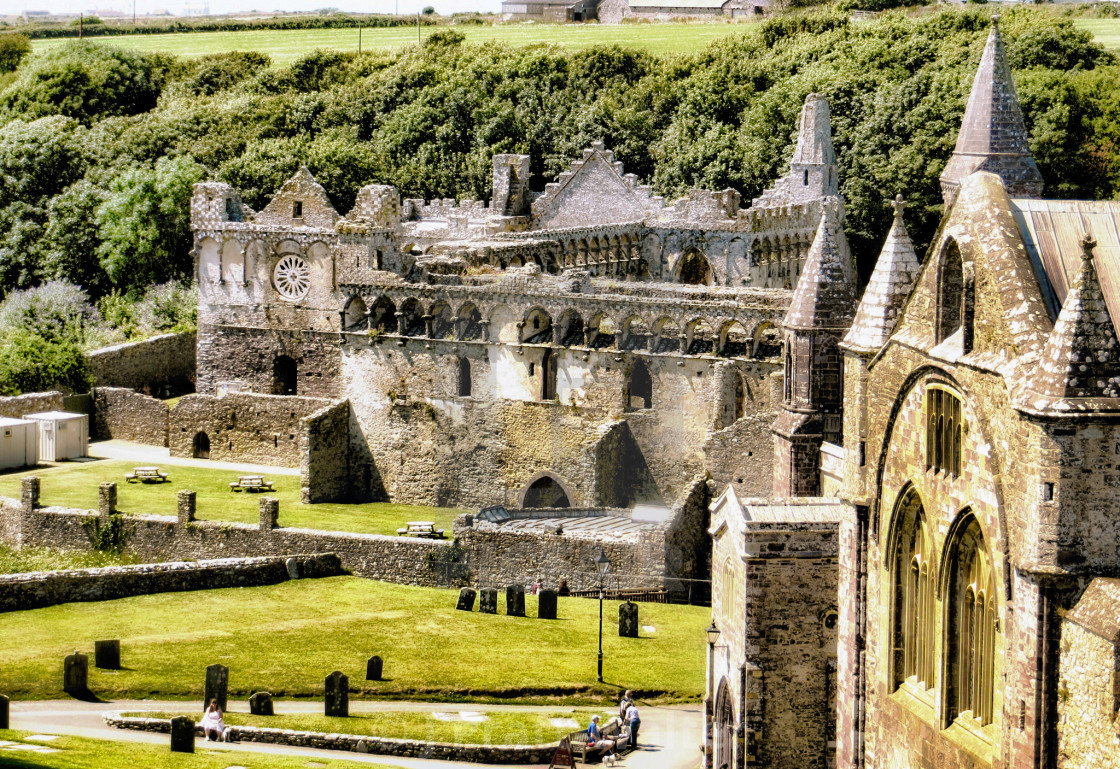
669, 739
161, 455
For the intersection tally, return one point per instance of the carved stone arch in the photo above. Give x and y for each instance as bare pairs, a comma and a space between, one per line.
535, 486
233, 262
209, 260
956, 293
383, 315
443, 327
700, 337
355, 314
635, 333
666, 335
470, 321
571, 328
766, 340
723, 728
693, 269
412, 317
536, 325
602, 329
734, 342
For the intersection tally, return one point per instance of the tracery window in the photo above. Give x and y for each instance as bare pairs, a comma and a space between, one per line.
944, 431
973, 627
913, 589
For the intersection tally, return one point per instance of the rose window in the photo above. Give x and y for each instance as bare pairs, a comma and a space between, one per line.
292, 277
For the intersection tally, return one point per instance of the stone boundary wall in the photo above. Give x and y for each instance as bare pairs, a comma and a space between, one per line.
35, 590
147, 366
30, 403
324, 471
124, 414
384, 746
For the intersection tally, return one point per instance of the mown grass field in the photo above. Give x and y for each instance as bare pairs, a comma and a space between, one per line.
1106, 31
83, 753
287, 638
75, 485
284, 46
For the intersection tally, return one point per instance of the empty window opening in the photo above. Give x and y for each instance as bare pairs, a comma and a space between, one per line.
464, 378
913, 579
297, 209
739, 398
549, 367
972, 629
284, 376
200, 448
639, 388
950, 292
805, 178
944, 431
532, 369
546, 492
695, 270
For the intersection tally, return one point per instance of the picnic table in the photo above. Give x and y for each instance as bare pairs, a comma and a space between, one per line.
251, 483
421, 529
145, 475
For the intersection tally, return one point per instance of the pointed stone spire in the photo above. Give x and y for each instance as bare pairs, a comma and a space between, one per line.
1081, 358
888, 289
812, 170
824, 297
993, 136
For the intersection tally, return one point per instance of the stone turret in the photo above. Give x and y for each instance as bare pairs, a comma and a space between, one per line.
510, 196
812, 169
993, 136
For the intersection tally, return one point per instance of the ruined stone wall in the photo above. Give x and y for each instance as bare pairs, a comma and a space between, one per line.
34, 590
687, 544
242, 427
248, 356
325, 455
124, 414
742, 455
151, 366
30, 403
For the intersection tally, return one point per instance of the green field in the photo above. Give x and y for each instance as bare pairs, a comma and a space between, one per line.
26, 559
75, 485
1106, 31
284, 46
287, 638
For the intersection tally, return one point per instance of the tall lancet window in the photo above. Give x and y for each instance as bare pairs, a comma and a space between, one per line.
914, 616
972, 627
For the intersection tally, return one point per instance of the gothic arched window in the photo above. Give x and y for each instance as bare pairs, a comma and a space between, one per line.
972, 626
944, 431
913, 589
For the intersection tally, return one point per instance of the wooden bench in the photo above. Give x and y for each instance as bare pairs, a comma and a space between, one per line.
613, 730
420, 529
145, 475
251, 483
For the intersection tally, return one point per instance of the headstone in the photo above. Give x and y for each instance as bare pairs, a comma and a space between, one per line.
488, 600
292, 565
107, 655
270, 513
107, 499
515, 600
546, 604
466, 599
182, 734
187, 505
217, 683
3, 712
75, 674
373, 668
336, 700
628, 619
260, 704
363, 746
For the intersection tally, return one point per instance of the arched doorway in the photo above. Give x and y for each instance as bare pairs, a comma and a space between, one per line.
639, 388
284, 376
546, 491
723, 729
694, 270
200, 448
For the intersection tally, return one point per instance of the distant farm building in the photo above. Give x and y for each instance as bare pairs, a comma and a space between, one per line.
544, 10
614, 11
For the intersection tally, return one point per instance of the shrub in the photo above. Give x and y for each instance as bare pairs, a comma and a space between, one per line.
56, 312
30, 363
171, 307
13, 48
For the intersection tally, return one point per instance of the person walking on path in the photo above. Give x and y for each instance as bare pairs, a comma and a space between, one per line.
634, 721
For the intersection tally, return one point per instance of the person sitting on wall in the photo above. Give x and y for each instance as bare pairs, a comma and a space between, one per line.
212, 724
596, 739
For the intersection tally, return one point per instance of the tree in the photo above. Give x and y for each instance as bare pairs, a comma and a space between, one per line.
30, 363
72, 238
13, 48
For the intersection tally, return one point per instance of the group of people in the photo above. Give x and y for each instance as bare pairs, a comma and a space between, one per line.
631, 721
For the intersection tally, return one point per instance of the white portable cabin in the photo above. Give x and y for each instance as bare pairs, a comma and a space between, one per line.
19, 442
62, 435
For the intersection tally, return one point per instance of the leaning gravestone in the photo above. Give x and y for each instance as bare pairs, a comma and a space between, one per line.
515, 600
3, 712
546, 604
488, 600
217, 683
107, 655
628, 620
75, 674
260, 704
466, 599
182, 734
373, 668
336, 700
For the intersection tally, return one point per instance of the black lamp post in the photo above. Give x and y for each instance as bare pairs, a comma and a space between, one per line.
603, 564
713, 636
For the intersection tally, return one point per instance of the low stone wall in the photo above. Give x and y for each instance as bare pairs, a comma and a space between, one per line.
162, 364
353, 743
128, 415
30, 403
46, 588
325, 454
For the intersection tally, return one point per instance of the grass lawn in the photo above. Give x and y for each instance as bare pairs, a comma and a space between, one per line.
45, 559
287, 638
284, 46
1106, 31
84, 753
74, 484
505, 728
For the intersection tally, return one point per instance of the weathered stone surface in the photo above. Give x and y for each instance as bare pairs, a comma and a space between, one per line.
107, 654
162, 366
182, 735
122, 414
488, 600
107, 499
336, 697
373, 668
29, 492
217, 685
75, 672
186, 506
515, 600
260, 704
466, 599
628, 619
546, 604
269, 513
30, 403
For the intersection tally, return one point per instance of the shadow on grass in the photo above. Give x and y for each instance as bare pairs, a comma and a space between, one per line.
85, 695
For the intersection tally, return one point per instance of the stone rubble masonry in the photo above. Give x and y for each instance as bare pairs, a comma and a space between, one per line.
16, 406
269, 513
35, 590
148, 366
123, 414
325, 471
444, 751
106, 499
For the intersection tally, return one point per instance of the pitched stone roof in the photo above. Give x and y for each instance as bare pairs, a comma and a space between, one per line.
316, 207
1081, 358
1098, 610
814, 139
888, 289
824, 297
993, 136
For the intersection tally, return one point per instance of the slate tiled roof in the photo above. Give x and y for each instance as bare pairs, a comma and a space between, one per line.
824, 297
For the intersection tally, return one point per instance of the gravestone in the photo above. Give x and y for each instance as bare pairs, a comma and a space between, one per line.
260, 704
466, 599
373, 668
182, 734
546, 604
107, 655
336, 700
3, 712
217, 683
628, 620
75, 674
488, 600
515, 600
363, 746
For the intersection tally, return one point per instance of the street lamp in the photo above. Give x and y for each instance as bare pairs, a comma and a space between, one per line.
603, 564
709, 706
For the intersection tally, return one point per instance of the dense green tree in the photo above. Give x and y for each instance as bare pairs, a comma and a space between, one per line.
13, 48
30, 363
72, 238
